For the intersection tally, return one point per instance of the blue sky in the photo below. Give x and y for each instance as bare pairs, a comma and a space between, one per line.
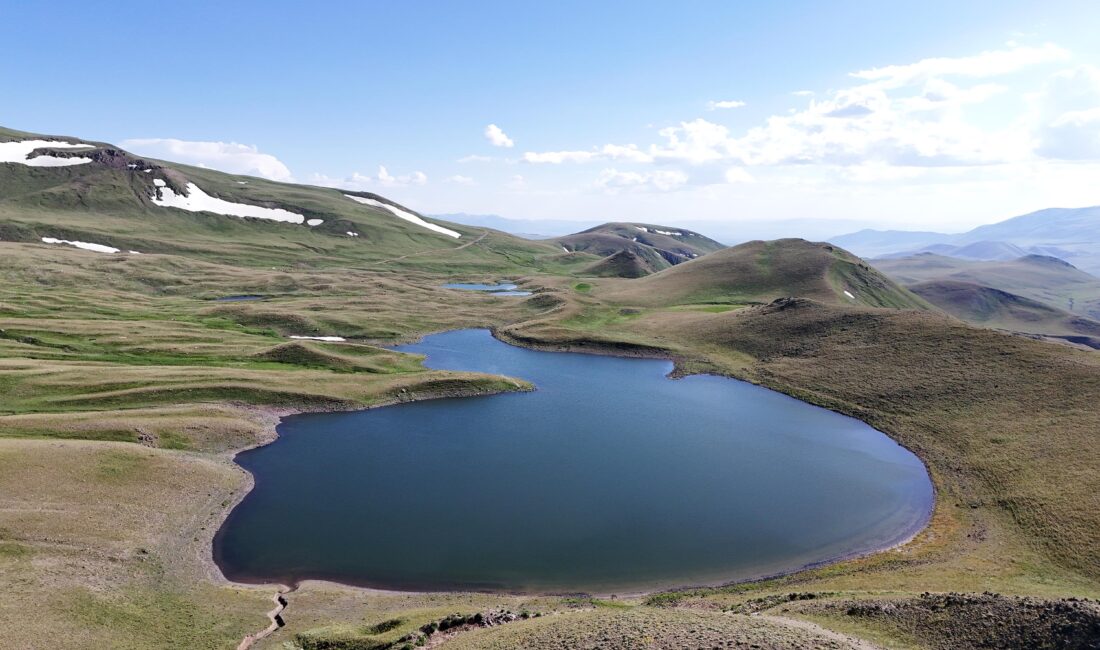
611, 110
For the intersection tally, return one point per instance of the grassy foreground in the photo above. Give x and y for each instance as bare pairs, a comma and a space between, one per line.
126, 389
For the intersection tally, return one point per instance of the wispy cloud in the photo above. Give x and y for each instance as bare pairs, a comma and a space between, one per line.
730, 103
987, 64
231, 157
359, 181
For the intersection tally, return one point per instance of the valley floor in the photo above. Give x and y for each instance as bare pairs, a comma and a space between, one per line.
126, 391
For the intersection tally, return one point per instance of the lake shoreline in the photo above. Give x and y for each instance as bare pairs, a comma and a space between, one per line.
274, 416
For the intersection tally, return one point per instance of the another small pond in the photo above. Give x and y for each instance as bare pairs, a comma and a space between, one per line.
504, 289
610, 477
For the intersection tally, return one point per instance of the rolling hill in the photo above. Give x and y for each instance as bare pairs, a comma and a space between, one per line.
998, 309
759, 271
651, 248
1048, 280
66, 191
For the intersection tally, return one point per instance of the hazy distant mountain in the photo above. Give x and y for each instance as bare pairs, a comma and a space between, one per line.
729, 232
1069, 234
1041, 278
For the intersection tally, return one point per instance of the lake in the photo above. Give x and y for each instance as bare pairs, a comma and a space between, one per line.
610, 477
504, 289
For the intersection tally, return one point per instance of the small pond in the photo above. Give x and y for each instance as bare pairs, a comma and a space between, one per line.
503, 289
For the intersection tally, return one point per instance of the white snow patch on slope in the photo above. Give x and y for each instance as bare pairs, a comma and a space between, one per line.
315, 222
407, 216
849, 294
198, 201
17, 152
99, 248
352, 234
330, 339
670, 233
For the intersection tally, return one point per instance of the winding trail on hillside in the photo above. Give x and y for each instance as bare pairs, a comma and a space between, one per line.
276, 616
806, 626
436, 250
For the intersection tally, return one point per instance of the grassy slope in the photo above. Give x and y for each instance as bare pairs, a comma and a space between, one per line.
1044, 279
762, 271
131, 348
150, 320
106, 202
990, 307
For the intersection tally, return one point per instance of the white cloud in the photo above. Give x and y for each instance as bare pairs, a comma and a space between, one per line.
459, 179
987, 64
731, 103
475, 158
387, 179
497, 137
517, 182
558, 157
1068, 111
907, 116
662, 180
359, 181
229, 157
627, 152
803, 93
738, 175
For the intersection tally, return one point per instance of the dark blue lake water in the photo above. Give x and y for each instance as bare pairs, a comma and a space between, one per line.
610, 477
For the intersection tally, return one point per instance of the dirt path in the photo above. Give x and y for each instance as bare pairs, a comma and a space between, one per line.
436, 250
807, 626
276, 616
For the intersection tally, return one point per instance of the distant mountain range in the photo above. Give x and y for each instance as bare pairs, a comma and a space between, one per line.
1072, 235
731, 232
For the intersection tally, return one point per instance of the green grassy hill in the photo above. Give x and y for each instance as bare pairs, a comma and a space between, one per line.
760, 271
990, 307
651, 248
1048, 280
112, 201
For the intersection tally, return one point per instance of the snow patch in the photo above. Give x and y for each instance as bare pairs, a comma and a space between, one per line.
352, 234
642, 229
407, 216
315, 222
849, 294
198, 201
670, 233
18, 152
159, 182
135, 252
99, 248
330, 339
132, 165
565, 249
